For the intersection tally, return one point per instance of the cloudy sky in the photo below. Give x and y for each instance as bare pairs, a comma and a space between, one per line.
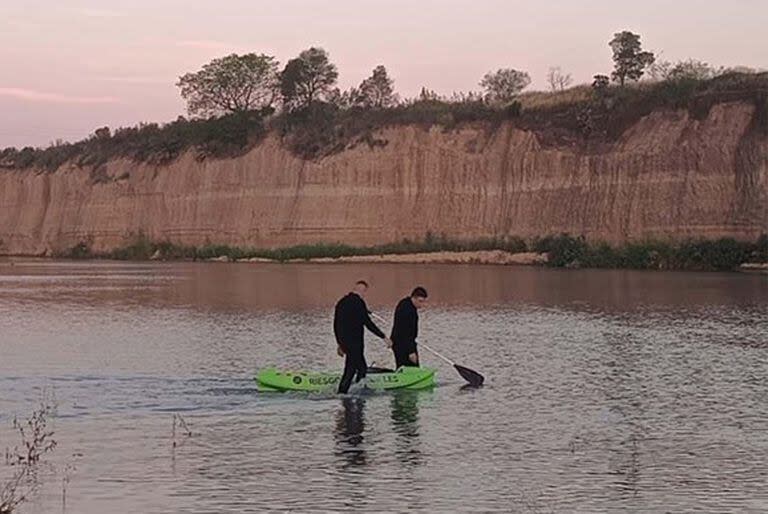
67, 67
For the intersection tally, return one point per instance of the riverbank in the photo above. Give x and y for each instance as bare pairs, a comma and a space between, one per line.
478, 257
754, 267
562, 251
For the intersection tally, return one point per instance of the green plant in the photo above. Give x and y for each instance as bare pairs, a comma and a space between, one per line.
141, 249
760, 250
80, 251
718, 255
307, 79
722, 254
375, 92
602, 255
231, 84
630, 60
502, 86
564, 250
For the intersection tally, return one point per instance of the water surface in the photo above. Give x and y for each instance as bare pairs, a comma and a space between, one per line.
606, 390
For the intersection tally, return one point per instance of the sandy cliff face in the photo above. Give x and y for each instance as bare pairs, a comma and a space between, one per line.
669, 176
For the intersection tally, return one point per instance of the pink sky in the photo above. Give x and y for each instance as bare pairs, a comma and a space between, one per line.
69, 67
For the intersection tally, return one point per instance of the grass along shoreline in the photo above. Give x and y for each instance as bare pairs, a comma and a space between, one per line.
562, 251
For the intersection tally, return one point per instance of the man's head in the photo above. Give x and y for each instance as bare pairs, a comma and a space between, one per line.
419, 297
361, 287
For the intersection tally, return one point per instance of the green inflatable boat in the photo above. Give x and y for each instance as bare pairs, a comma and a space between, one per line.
412, 378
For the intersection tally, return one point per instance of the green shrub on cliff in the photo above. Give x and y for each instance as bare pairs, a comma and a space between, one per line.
563, 117
326, 128
224, 136
216, 137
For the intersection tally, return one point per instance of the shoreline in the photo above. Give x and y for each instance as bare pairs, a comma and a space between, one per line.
479, 258
499, 257
559, 251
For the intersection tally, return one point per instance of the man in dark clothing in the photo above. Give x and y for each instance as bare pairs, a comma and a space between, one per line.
350, 316
405, 329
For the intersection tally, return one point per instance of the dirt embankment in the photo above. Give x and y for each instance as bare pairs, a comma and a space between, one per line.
669, 176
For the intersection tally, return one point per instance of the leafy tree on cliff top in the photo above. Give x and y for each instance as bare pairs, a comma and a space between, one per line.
377, 90
692, 69
231, 84
630, 60
601, 82
307, 78
503, 86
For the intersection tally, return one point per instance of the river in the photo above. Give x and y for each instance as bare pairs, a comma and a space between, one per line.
606, 390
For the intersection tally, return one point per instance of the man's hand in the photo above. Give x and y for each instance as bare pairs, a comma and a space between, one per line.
414, 357
340, 351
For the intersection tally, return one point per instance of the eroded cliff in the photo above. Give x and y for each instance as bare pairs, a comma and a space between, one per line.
669, 176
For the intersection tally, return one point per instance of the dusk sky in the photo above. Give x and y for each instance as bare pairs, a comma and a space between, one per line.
69, 67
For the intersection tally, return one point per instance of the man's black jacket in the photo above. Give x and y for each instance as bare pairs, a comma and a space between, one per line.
406, 327
350, 316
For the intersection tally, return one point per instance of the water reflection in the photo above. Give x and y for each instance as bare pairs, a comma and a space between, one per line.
350, 424
238, 287
405, 424
625, 390
624, 463
351, 448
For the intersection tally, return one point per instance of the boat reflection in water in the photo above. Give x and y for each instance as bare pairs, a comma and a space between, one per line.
405, 423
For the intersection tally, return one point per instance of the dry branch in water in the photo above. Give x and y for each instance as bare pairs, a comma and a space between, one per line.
36, 441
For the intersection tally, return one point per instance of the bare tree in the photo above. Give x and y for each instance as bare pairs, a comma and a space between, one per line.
36, 440
659, 70
558, 80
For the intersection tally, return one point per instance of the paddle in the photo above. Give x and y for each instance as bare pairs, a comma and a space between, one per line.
472, 377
